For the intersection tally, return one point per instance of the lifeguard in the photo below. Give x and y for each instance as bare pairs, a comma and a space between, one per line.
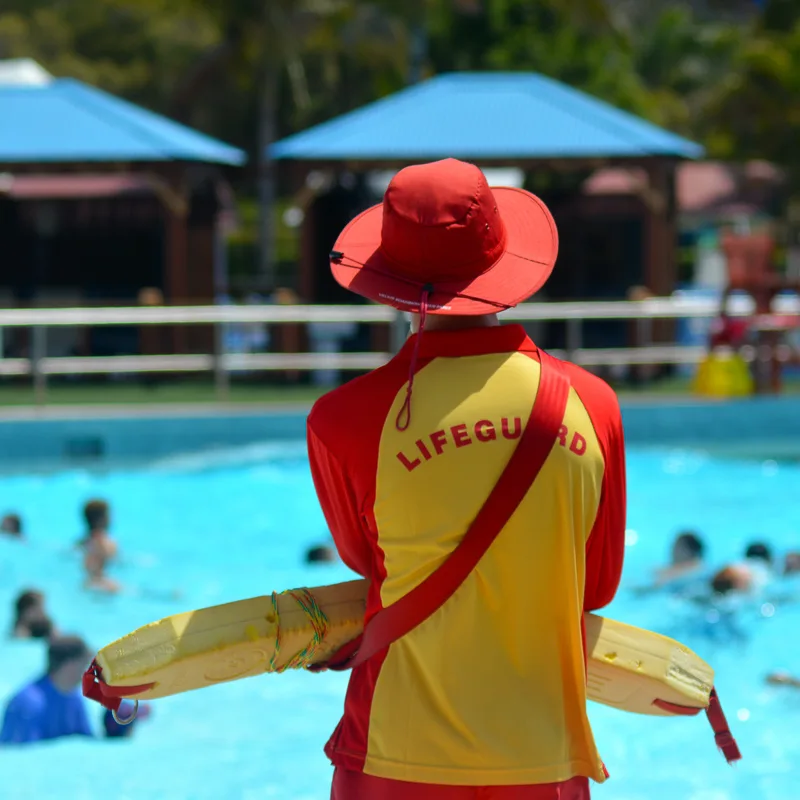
487, 696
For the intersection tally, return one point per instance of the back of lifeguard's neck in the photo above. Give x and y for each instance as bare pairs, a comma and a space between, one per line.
446, 322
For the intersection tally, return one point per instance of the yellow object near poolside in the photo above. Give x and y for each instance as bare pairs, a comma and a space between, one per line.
628, 668
723, 374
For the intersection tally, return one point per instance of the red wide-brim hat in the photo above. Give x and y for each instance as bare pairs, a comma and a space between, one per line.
395, 264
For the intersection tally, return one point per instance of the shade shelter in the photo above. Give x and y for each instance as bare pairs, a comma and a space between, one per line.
523, 120
100, 198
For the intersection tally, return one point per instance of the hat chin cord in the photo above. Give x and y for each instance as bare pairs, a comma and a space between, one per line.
403, 419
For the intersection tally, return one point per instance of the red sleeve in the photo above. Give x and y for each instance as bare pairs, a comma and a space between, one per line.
606, 546
338, 502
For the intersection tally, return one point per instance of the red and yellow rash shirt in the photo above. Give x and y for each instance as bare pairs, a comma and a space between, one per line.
491, 689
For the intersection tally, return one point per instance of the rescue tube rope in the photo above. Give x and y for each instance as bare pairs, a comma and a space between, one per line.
317, 619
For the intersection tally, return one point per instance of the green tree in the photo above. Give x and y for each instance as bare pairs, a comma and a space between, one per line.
683, 61
757, 111
134, 48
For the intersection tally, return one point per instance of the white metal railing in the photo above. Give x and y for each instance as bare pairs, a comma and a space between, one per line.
656, 308
221, 363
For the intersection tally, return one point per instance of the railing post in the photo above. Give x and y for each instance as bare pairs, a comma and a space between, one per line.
574, 336
644, 338
645, 331
221, 376
399, 331
38, 353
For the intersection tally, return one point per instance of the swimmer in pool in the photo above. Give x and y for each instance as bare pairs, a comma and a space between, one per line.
99, 549
51, 707
11, 526
686, 562
321, 554
791, 564
759, 555
745, 586
734, 578
687, 558
749, 576
783, 679
95, 560
97, 514
32, 620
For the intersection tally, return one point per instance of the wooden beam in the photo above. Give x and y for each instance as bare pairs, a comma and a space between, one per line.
661, 240
176, 249
661, 264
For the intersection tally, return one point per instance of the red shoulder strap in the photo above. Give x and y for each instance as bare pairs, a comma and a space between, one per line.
535, 444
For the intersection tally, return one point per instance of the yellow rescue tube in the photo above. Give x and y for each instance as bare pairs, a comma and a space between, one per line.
628, 668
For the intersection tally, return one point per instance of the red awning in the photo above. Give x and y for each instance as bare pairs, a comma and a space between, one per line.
53, 187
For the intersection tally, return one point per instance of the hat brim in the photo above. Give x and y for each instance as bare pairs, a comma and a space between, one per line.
531, 250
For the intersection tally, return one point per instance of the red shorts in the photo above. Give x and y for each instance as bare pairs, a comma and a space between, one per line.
358, 786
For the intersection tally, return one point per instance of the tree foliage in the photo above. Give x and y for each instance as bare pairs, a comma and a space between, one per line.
726, 74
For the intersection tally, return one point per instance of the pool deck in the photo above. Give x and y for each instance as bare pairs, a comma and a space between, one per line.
148, 410
44, 437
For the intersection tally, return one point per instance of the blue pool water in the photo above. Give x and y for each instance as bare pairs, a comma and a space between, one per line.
222, 526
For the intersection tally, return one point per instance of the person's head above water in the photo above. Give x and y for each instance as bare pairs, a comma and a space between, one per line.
31, 618
442, 243
731, 579
97, 514
320, 554
688, 546
11, 525
759, 551
40, 627
67, 659
27, 601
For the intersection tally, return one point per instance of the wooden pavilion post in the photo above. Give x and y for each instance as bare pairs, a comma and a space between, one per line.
661, 241
661, 262
176, 240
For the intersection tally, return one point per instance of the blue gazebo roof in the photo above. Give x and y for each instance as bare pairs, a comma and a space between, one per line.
64, 120
493, 116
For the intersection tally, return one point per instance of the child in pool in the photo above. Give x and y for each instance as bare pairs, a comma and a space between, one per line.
685, 565
98, 547
687, 558
11, 526
749, 576
97, 514
791, 564
97, 556
32, 620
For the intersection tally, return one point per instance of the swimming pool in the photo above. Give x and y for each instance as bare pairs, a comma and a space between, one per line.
221, 526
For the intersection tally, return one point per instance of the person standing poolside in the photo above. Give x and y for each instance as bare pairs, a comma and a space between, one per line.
52, 706
490, 691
